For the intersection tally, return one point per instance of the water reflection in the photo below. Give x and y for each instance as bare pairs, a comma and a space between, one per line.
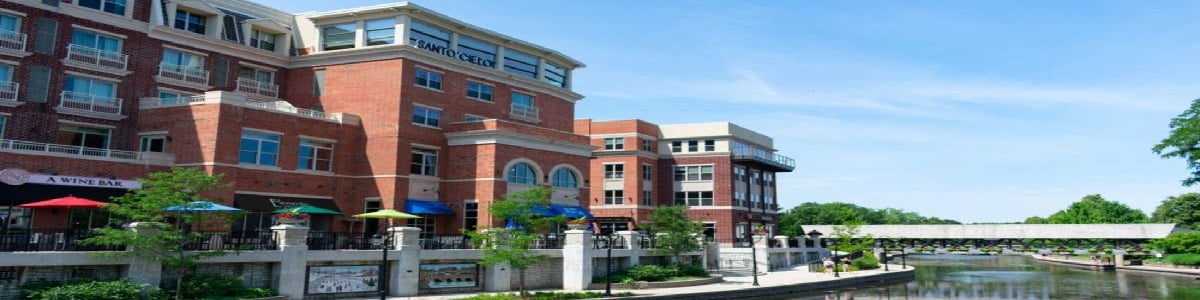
1018, 277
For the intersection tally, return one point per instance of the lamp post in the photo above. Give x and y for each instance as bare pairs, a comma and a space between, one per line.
608, 268
885, 252
753, 250
903, 264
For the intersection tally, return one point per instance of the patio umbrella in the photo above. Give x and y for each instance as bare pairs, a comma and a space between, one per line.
201, 206
69, 202
389, 214
308, 209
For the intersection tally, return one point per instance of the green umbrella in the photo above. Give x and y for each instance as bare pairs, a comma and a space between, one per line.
308, 209
388, 214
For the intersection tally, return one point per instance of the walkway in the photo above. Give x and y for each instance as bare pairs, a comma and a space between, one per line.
797, 279
1162, 269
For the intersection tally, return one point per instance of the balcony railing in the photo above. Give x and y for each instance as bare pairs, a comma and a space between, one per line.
780, 162
168, 102
184, 74
13, 41
97, 57
91, 103
8, 91
524, 112
251, 86
235, 240
49, 240
285, 107
322, 240
154, 158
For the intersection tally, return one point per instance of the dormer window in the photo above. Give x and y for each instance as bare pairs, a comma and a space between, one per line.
230, 29
380, 32
262, 40
190, 21
555, 75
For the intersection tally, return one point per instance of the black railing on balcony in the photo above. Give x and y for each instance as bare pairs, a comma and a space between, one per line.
233, 240
646, 242
793, 243
445, 242
323, 240
49, 240
548, 242
773, 243
602, 242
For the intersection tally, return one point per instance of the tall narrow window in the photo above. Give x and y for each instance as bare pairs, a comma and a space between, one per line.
424, 162
336, 37
230, 30
380, 32
315, 155
647, 172
190, 21
470, 215
648, 198
259, 148
3, 124
318, 82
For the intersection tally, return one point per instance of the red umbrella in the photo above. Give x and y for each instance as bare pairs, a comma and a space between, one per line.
67, 202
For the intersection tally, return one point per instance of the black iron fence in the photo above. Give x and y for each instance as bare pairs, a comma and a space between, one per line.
793, 243
603, 242
232, 240
445, 242
49, 240
548, 242
647, 242
323, 240
773, 243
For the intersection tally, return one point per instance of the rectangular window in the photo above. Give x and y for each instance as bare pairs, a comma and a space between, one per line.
479, 91
178, 60
6, 72
522, 99
429, 79
258, 75
555, 75
614, 144
614, 171
318, 82
693, 173
647, 144
424, 162
693, 146
647, 198
259, 148
519, 63
95, 40
315, 155
39, 84
704, 198
710, 145
116, 7
77, 135
470, 215
710, 231
380, 32
3, 124
427, 36
739, 174
477, 52
47, 34
154, 143
473, 118
94, 87
647, 172
190, 21
9, 23
262, 40
614, 197
426, 116
676, 146
337, 37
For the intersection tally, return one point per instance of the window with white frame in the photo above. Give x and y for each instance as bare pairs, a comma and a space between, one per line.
190, 21
614, 197
616, 143
9, 23
739, 174
424, 162
338, 36
710, 145
521, 173
470, 215
421, 34
94, 87
694, 173
698, 198
315, 155
555, 75
153, 143
676, 146
95, 40
259, 148
229, 29
429, 79
614, 171
647, 145
520, 63
479, 91
426, 116
179, 60
648, 198
693, 146
83, 136
379, 32
262, 40
564, 178
647, 172
259, 75
116, 7
739, 199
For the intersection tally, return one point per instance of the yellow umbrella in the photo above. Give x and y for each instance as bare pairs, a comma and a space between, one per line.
388, 214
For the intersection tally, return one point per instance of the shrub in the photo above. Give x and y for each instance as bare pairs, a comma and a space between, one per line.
545, 296
211, 286
1184, 259
257, 293
650, 273
866, 262
96, 290
691, 270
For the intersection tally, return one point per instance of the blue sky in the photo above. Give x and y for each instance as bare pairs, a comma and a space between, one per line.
969, 110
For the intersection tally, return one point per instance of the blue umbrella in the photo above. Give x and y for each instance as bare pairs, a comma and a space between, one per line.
201, 206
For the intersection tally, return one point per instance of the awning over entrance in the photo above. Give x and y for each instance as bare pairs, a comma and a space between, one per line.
13, 195
426, 207
542, 210
573, 212
259, 203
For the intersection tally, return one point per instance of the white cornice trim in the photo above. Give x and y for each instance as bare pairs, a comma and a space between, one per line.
172, 35
282, 195
479, 137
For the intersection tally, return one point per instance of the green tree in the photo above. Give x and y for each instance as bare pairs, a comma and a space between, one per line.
1184, 141
838, 213
1179, 243
148, 208
1183, 210
1094, 209
677, 234
848, 239
1036, 220
511, 246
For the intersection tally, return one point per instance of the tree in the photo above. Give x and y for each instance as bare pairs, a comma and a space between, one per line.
676, 232
148, 207
1184, 141
1179, 242
838, 213
1036, 220
511, 245
846, 235
1183, 210
1094, 209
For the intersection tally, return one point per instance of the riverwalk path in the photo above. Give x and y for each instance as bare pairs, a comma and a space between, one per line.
1181, 270
795, 280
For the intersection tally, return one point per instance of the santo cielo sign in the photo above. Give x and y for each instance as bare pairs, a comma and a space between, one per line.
19, 177
463, 56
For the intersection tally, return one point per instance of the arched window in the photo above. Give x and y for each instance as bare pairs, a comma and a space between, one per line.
564, 178
522, 173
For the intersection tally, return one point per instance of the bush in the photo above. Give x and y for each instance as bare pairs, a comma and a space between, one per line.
866, 262
545, 296
650, 273
691, 270
1184, 259
98, 290
655, 273
211, 286
257, 293
1179, 242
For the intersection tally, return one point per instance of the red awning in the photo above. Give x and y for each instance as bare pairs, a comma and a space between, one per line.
65, 202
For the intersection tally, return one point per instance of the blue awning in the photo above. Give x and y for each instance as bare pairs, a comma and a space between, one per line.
425, 207
573, 212
542, 210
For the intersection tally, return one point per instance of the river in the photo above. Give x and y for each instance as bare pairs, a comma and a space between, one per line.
1017, 277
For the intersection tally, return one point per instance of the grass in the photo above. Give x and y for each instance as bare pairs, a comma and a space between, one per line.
544, 296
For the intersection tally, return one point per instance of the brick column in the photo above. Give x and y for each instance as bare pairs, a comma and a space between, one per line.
577, 260
404, 271
287, 276
140, 270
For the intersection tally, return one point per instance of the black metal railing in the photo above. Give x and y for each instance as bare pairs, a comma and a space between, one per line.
647, 242
49, 240
445, 242
322, 240
793, 243
741, 242
548, 242
773, 243
232, 240
603, 242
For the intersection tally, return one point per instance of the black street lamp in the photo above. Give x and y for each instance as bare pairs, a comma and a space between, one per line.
836, 260
753, 251
608, 268
903, 264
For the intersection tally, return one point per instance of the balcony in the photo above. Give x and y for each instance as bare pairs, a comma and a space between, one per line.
524, 113
182, 75
148, 103
8, 93
96, 59
89, 105
35, 148
259, 88
763, 158
12, 43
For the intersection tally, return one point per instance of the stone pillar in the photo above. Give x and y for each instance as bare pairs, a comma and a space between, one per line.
498, 277
404, 270
631, 242
577, 260
762, 257
140, 270
287, 276
712, 255
783, 243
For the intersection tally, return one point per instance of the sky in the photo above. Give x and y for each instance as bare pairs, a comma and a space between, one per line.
968, 110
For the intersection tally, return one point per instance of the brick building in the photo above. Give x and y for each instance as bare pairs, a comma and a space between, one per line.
724, 173
388, 106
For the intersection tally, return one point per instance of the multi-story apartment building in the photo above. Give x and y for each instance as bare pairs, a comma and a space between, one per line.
388, 106
723, 173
